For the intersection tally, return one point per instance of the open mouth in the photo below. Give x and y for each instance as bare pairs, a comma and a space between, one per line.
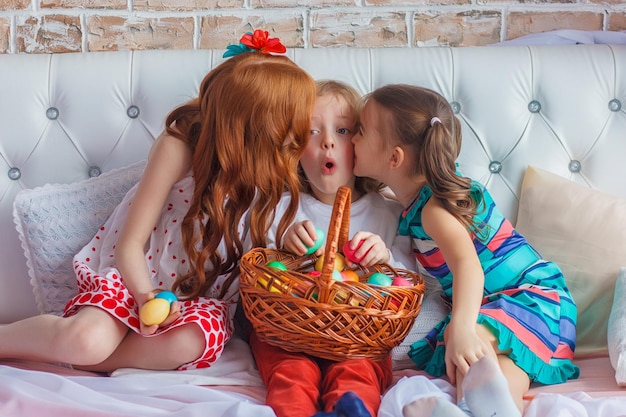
329, 166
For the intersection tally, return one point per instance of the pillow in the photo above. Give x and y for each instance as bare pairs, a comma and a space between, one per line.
617, 329
433, 310
55, 221
584, 232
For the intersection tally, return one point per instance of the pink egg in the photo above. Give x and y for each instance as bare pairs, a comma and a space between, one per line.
401, 282
349, 253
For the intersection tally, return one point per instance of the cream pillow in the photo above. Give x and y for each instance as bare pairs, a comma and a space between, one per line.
617, 329
56, 220
584, 232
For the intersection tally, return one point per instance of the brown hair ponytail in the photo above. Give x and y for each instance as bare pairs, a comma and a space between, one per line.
423, 122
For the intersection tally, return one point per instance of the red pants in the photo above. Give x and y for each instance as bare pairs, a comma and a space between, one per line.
299, 385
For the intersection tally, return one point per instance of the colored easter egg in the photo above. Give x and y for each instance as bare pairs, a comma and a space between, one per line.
261, 282
277, 265
378, 278
349, 253
264, 283
340, 262
350, 275
167, 295
154, 311
318, 242
337, 275
401, 282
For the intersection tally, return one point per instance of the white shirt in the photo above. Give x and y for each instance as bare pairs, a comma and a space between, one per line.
372, 213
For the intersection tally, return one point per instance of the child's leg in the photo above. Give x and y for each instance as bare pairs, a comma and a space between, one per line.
366, 378
292, 379
169, 350
88, 337
486, 389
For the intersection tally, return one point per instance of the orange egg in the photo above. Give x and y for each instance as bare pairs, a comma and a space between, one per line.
350, 275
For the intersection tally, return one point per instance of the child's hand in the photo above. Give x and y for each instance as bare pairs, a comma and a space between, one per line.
372, 250
299, 237
463, 347
174, 313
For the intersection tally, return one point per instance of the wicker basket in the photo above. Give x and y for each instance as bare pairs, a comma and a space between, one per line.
321, 316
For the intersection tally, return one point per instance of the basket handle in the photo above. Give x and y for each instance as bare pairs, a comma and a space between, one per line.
338, 230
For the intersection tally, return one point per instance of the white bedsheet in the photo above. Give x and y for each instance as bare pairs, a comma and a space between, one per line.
26, 393
140, 393
575, 404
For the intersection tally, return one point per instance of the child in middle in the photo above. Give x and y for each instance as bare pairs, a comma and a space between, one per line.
300, 385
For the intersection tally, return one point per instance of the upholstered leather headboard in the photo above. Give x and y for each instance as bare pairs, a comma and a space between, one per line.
66, 117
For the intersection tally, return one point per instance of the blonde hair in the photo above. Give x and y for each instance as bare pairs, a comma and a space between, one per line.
247, 130
353, 100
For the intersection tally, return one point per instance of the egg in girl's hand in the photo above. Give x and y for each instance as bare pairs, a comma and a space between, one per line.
167, 295
318, 242
378, 278
349, 253
154, 311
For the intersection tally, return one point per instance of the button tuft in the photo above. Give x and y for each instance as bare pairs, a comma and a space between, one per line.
94, 172
14, 174
495, 167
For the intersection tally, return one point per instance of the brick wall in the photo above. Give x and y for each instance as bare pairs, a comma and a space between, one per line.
58, 26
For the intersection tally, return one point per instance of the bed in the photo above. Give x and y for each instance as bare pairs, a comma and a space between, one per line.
544, 128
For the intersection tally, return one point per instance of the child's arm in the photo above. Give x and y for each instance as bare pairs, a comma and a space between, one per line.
463, 346
169, 161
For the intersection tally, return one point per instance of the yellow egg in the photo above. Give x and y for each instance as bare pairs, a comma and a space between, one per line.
263, 283
340, 262
154, 311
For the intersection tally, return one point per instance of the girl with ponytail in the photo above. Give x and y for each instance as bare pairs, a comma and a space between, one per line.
512, 319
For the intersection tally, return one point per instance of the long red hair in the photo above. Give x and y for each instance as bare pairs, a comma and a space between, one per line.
247, 130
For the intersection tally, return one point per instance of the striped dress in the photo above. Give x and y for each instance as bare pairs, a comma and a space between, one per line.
526, 302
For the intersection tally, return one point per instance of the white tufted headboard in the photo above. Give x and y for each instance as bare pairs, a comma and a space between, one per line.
65, 117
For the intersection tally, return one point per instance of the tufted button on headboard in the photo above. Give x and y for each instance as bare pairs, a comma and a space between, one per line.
67, 117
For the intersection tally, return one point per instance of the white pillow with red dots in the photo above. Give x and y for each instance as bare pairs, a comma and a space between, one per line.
55, 221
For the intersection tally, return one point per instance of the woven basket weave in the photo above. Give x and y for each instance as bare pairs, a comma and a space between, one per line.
321, 316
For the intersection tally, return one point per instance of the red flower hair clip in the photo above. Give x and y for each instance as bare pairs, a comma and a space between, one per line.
257, 41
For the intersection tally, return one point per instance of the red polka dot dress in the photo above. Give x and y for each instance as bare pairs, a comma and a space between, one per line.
100, 283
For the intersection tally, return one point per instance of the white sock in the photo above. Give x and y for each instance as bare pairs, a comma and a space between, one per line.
486, 390
464, 407
434, 406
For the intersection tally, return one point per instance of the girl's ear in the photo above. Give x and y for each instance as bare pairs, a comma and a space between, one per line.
396, 159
